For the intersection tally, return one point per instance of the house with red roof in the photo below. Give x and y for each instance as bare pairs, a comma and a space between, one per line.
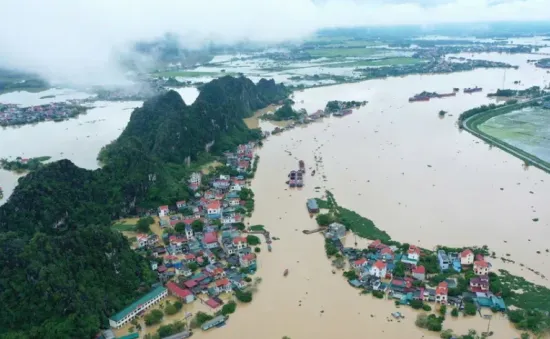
378, 269
359, 264
375, 244
466, 257
214, 209
185, 295
386, 253
441, 292
481, 267
248, 260
479, 284
223, 285
413, 253
419, 273
163, 211
240, 243
243, 165
141, 240
181, 204
210, 240
212, 303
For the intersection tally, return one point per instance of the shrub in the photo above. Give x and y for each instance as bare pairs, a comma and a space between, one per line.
243, 296
257, 250
443, 310
252, 240
154, 317
470, 308
170, 309
426, 307
229, 308
416, 304
454, 312
378, 294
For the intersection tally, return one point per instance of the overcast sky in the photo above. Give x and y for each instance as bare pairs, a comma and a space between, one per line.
80, 40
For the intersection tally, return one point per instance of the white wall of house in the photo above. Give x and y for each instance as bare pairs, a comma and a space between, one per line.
137, 310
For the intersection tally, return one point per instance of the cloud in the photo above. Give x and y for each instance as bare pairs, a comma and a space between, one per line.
82, 41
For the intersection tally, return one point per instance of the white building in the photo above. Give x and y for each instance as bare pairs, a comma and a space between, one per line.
126, 315
163, 211
378, 269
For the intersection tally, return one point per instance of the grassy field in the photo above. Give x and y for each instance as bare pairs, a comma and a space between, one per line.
342, 52
378, 62
474, 123
123, 227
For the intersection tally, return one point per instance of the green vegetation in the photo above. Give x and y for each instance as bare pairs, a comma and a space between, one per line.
252, 240
443, 310
243, 296
530, 92
378, 294
350, 275
170, 329
229, 308
342, 52
335, 105
532, 320
55, 230
20, 165
532, 297
378, 62
324, 219
284, 113
200, 318
122, 227
189, 74
330, 249
430, 322
257, 228
470, 308
11, 80
454, 312
426, 307
153, 318
144, 224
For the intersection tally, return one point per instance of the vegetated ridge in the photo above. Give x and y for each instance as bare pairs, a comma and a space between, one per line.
63, 270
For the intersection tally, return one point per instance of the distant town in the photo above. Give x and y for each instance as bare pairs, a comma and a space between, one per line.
11, 114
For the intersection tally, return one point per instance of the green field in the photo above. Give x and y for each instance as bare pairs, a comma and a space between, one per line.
342, 52
519, 138
121, 227
378, 62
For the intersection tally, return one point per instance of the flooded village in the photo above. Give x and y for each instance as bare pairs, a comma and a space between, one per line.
401, 165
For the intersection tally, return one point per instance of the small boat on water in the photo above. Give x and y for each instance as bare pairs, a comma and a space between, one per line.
473, 90
285, 272
269, 247
302, 166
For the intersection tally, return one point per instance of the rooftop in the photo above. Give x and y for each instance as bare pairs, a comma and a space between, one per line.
147, 297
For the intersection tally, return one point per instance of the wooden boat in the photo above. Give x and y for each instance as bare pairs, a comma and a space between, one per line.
285, 273
269, 248
313, 173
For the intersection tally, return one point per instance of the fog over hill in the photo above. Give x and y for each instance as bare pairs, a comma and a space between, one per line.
83, 42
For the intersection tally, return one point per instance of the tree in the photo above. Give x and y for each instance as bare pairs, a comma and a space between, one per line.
201, 318
240, 226
525, 335
447, 334
421, 320
197, 225
252, 240
143, 224
350, 275
454, 312
243, 296
180, 227
426, 307
416, 304
178, 305
229, 307
193, 266
443, 310
399, 269
323, 219
257, 250
330, 249
470, 308
154, 317
170, 309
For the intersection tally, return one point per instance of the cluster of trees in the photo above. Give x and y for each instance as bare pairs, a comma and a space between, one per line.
530, 320
229, 308
170, 329
154, 317
336, 105
529, 92
283, 113
174, 308
144, 224
243, 295
19, 166
430, 322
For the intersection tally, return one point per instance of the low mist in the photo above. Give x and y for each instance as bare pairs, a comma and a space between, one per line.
85, 42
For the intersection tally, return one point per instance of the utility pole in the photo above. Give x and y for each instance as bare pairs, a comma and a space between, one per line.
489, 323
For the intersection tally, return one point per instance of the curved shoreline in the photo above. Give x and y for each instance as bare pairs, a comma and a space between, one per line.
471, 125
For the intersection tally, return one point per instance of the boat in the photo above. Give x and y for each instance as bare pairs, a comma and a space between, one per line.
302, 166
1, 193
419, 98
292, 183
443, 95
313, 173
456, 89
473, 90
269, 247
285, 272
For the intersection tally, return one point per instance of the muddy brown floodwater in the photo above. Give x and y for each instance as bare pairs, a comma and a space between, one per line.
417, 177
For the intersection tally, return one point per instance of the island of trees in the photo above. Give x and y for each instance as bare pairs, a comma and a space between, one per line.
21, 165
335, 105
64, 270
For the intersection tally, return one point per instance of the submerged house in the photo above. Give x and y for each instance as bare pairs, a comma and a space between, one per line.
312, 206
443, 260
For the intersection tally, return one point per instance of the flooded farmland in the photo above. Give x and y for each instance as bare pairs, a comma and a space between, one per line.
417, 177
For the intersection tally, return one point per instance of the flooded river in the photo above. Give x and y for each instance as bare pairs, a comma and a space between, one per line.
417, 177
79, 139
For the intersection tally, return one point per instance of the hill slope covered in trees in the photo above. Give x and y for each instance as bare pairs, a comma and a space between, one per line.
63, 270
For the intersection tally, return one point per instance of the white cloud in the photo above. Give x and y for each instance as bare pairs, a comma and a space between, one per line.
80, 40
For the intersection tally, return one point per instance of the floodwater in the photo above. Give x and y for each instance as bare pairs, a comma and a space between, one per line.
417, 177
79, 139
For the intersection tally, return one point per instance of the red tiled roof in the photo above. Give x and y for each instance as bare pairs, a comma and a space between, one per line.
480, 257
210, 238
189, 256
413, 249
359, 262
249, 256
170, 257
380, 265
238, 240
190, 283
481, 263
222, 282
419, 270
214, 205
181, 202
161, 269
163, 208
466, 253
442, 288
212, 303
176, 290
386, 250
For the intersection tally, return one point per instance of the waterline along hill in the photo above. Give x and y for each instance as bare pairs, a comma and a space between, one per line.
64, 271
